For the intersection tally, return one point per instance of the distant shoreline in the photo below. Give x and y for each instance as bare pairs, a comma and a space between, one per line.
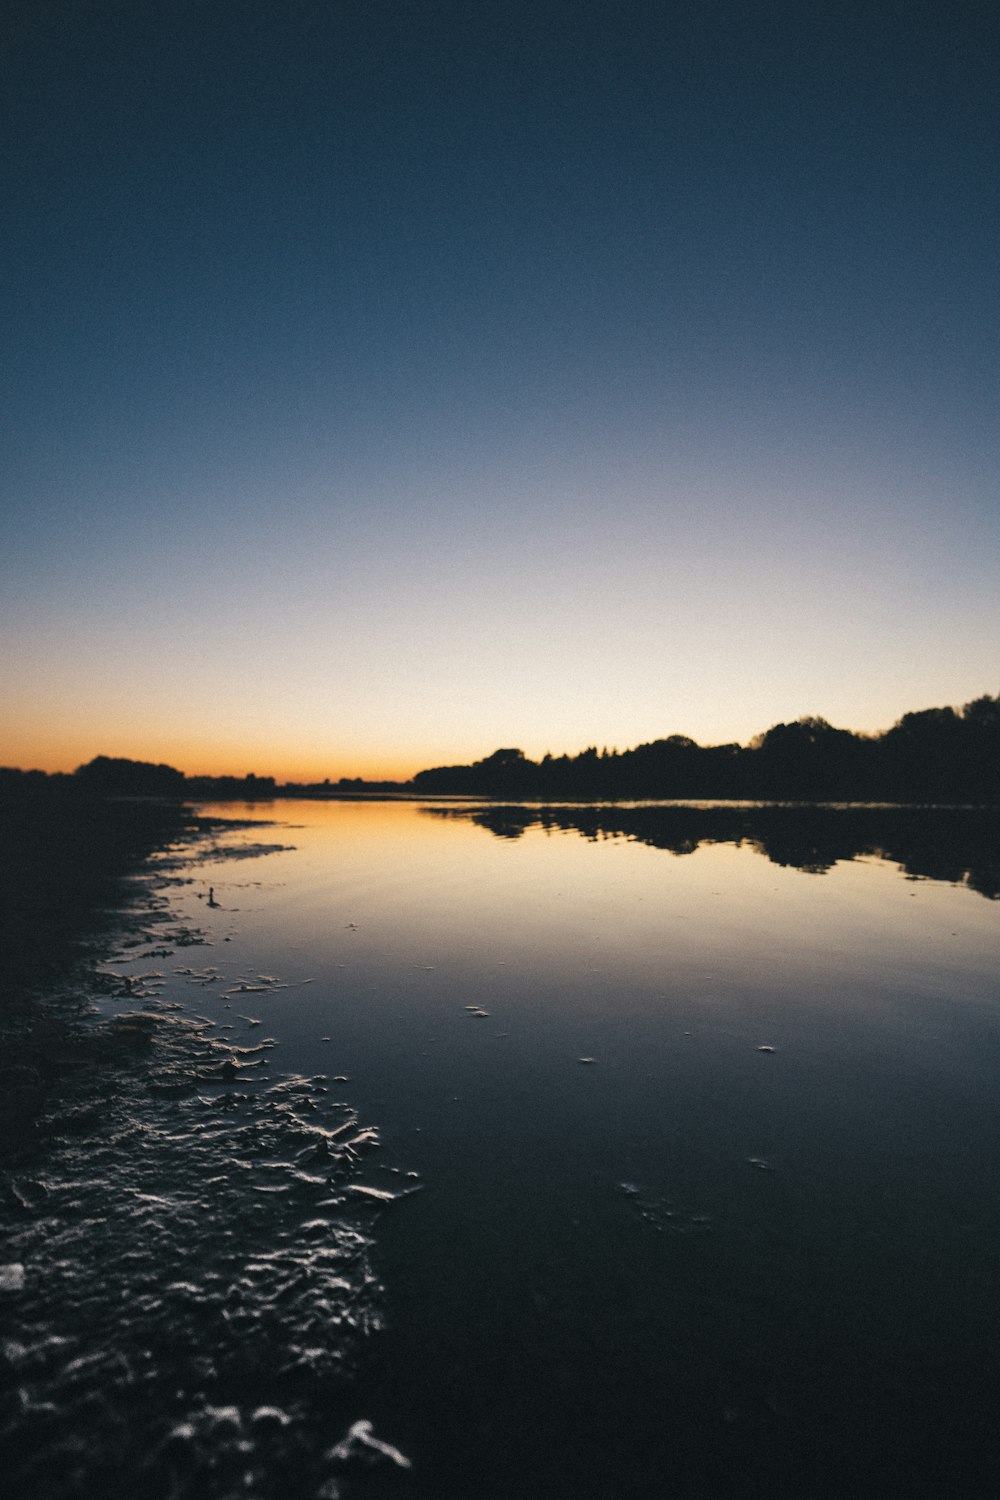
496, 800
936, 756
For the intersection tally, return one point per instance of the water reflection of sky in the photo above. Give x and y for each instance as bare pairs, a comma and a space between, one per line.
386, 885
573, 946
687, 1202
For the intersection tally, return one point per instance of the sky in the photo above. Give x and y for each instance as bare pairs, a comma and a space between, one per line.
387, 381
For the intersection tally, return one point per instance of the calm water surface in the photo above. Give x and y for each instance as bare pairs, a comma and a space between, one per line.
709, 1199
703, 1144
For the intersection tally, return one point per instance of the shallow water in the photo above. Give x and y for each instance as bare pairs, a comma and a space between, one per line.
706, 1145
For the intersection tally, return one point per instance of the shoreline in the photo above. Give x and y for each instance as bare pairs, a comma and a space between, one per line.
159, 1183
65, 864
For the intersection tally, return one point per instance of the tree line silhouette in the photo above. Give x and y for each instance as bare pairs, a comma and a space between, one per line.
933, 755
936, 754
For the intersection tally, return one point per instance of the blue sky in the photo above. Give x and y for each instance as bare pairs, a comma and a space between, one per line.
386, 382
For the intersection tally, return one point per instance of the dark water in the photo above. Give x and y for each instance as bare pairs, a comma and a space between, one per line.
703, 1118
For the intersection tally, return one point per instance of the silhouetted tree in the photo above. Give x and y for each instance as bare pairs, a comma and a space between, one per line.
130, 778
934, 755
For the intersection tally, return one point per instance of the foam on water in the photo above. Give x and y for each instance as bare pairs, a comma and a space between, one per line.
187, 1282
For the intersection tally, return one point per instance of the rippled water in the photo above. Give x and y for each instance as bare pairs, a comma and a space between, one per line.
704, 1115
190, 1275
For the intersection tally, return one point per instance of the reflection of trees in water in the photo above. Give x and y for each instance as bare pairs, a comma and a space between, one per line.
956, 844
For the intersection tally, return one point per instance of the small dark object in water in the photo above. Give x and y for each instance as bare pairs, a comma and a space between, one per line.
211, 896
229, 1069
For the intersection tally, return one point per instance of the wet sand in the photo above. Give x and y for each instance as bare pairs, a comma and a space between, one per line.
64, 858
185, 1274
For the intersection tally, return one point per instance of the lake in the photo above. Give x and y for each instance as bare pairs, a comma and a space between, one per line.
687, 1116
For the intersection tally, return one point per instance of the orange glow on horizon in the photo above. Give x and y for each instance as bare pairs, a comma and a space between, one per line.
217, 765
283, 747
65, 749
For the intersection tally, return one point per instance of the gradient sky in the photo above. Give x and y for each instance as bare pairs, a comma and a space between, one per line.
391, 380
